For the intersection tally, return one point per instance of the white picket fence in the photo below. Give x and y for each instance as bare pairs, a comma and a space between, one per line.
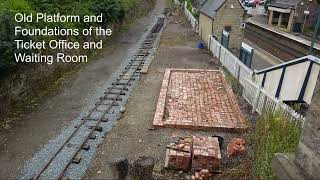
228, 60
176, 2
260, 100
193, 20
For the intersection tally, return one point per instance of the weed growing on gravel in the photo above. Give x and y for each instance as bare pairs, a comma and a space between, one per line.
273, 134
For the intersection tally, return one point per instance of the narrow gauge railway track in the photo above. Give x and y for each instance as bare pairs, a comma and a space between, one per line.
275, 46
98, 114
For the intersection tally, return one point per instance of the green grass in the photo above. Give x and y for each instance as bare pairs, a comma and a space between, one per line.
272, 135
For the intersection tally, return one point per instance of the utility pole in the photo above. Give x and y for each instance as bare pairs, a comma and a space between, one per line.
314, 36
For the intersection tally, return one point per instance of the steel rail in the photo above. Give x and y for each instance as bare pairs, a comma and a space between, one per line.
151, 36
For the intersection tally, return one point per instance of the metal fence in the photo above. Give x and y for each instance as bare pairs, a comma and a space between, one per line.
260, 100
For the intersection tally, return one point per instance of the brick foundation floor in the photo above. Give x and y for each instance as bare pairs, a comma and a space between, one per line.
197, 99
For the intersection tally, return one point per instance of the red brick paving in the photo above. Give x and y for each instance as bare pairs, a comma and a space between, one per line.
197, 99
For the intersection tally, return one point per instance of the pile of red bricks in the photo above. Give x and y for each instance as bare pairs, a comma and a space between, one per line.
178, 156
236, 146
206, 153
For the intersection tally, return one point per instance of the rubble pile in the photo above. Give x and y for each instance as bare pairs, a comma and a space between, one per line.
201, 154
206, 153
204, 174
178, 154
236, 147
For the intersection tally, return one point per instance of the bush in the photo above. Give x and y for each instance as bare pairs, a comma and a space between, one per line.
112, 10
273, 134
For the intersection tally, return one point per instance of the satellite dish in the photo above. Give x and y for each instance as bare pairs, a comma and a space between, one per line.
243, 25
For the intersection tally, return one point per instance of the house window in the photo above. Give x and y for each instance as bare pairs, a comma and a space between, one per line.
227, 28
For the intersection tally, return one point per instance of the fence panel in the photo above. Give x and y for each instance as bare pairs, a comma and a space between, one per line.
249, 91
229, 61
268, 103
214, 47
244, 72
193, 20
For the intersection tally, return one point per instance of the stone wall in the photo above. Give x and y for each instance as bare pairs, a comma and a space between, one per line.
308, 152
205, 27
230, 14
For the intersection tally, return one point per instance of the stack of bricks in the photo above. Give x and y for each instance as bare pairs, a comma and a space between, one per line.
178, 155
206, 153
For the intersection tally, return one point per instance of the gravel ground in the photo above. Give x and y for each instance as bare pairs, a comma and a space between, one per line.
37, 128
133, 135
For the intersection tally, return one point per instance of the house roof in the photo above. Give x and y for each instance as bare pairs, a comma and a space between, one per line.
211, 7
285, 4
197, 3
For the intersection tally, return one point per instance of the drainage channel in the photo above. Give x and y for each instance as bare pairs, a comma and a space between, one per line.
78, 145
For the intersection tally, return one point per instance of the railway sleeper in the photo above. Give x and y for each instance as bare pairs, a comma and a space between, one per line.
97, 128
135, 63
126, 79
111, 95
144, 50
113, 98
117, 92
117, 88
137, 60
108, 102
92, 136
146, 47
65, 178
143, 54
132, 66
104, 119
76, 159
132, 73
125, 74
121, 84
85, 147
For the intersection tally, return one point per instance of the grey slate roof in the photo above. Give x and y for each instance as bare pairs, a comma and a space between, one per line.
211, 7
284, 3
197, 3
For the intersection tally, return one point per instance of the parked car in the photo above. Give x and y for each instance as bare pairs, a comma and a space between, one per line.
252, 3
249, 3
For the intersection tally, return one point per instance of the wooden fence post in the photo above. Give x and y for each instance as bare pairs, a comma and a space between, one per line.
209, 44
277, 106
256, 99
219, 58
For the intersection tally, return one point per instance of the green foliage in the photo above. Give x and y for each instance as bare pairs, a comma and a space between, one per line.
196, 14
273, 134
112, 10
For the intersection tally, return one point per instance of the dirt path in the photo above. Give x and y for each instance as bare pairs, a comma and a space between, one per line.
34, 130
132, 137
